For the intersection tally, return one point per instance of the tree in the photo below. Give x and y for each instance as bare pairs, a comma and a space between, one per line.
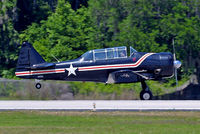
29, 11
64, 34
185, 30
8, 38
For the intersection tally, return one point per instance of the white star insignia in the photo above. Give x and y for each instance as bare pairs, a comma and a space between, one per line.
71, 70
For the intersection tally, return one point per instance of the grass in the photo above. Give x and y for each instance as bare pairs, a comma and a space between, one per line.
43, 122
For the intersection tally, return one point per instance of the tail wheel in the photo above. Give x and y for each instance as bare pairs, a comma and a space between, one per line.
38, 85
146, 95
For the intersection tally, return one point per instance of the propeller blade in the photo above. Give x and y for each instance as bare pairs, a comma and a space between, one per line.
175, 72
177, 64
174, 50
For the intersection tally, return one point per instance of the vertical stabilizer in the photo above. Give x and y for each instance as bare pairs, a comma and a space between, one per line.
28, 56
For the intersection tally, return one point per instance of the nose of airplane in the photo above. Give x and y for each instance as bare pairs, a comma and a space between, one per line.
177, 64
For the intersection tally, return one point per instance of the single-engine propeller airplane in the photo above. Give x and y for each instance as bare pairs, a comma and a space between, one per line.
109, 65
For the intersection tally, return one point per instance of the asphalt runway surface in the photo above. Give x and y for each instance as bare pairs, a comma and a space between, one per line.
101, 105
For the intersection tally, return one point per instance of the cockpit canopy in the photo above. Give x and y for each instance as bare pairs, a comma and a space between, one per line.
107, 53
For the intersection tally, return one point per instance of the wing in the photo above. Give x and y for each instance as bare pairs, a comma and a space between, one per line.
128, 76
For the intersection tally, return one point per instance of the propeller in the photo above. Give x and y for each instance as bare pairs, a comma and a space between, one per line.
177, 63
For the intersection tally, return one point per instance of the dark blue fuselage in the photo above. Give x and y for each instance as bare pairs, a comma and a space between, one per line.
153, 66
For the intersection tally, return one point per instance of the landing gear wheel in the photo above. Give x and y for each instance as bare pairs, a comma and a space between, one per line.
146, 95
38, 85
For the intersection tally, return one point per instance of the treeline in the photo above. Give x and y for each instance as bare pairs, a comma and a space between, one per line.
68, 28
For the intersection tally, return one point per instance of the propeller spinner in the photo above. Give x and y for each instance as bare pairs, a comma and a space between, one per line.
177, 64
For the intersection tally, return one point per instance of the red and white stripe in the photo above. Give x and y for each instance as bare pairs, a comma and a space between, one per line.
52, 71
117, 66
88, 68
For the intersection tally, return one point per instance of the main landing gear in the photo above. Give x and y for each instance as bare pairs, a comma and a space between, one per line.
146, 93
38, 85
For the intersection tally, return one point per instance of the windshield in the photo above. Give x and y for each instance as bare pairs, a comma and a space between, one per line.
132, 51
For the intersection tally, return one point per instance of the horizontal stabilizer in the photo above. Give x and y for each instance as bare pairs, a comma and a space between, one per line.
42, 66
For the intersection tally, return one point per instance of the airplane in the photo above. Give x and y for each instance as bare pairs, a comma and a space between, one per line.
109, 65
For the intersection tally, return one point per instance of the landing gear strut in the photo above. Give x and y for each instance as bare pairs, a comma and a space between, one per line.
146, 93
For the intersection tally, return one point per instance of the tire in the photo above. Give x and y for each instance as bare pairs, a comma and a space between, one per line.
38, 85
146, 95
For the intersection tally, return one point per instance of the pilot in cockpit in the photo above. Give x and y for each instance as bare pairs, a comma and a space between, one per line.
122, 54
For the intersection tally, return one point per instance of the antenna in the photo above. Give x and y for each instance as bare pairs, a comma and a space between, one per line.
55, 58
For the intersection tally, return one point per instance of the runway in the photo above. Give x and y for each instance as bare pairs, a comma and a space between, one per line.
101, 105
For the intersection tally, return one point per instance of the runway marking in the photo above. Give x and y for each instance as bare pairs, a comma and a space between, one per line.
101, 105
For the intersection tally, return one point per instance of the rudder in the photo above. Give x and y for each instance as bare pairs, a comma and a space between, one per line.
28, 57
